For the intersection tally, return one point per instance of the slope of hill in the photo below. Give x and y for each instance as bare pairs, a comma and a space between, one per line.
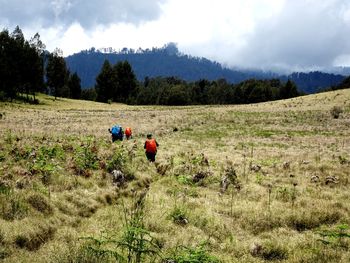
248, 183
167, 61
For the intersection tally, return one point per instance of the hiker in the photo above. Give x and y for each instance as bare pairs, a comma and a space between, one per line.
116, 132
128, 133
151, 148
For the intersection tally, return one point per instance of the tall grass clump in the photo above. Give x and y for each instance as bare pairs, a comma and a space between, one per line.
12, 205
135, 244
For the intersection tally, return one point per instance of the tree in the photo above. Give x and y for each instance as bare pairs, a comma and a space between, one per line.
56, 73
38, 63
125, 81
33, 66
89, 94
105, 83
178, 95
345, 84
289, 90
21, 64
74, 86
8, 70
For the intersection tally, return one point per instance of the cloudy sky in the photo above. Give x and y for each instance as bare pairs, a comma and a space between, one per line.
262, 34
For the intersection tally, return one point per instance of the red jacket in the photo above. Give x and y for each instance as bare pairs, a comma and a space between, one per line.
151, 145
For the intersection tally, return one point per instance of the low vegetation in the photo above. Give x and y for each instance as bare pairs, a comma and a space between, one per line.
249, 183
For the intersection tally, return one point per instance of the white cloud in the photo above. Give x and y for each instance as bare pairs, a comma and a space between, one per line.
268, 34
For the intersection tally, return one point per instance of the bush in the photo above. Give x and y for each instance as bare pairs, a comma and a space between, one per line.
85, 159
117, 161
336, 111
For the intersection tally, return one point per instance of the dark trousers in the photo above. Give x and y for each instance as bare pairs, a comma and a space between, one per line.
151, 156
117, 137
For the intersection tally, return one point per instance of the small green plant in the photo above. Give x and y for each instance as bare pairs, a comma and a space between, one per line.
183, 179
21, 153
343, 160
335, 237
286, 194
2, 156
198, 254
85, 159
259, 178
55, 151
179, 215
9, 137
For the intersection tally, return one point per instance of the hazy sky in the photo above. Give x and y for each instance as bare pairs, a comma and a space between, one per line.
265, 34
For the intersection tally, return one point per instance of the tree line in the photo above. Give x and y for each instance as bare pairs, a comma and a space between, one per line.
26, 68
118, 83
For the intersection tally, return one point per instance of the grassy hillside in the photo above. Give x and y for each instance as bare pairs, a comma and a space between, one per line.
248, 183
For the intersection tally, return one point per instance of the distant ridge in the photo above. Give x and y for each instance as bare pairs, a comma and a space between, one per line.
168, 61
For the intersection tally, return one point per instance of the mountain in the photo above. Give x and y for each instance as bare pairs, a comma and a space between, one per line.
168, 61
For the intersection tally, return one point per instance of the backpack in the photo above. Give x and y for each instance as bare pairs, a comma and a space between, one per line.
116, 130
128, 131
151, 146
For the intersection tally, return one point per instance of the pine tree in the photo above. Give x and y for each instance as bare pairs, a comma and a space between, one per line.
56, 73
125, 81
289, 90
74, 86
105, 83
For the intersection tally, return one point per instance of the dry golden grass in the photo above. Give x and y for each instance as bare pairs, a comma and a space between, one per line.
291, 159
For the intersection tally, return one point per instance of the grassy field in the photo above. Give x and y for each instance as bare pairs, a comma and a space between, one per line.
247, 183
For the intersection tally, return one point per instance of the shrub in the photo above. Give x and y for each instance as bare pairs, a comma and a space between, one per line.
85, 159
336, 111
117, 161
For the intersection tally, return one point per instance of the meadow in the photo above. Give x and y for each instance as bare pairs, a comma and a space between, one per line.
262, 182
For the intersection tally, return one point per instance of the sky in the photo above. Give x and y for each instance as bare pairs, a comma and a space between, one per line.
278, 35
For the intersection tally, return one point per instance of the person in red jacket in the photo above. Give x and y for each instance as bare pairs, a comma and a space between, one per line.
128, 133
151, 148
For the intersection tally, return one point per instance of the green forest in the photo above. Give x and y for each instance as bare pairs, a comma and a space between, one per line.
27, 68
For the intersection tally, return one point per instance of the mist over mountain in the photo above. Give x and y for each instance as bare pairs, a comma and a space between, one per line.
168, 61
